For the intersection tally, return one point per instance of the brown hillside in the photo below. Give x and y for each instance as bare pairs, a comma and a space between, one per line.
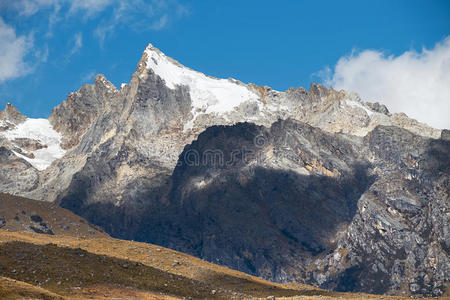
20, 214
102, 268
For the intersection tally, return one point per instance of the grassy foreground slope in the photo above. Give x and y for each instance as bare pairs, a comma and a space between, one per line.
105, 268
14, 289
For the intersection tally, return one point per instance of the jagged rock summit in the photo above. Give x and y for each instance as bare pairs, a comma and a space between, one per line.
342, 194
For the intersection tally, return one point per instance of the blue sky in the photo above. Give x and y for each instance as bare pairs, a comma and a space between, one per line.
52, 47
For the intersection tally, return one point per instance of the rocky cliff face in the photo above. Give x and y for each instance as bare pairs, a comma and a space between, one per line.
294, 202
317, 186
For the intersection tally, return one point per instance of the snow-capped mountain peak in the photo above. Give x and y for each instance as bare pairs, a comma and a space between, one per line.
208, 94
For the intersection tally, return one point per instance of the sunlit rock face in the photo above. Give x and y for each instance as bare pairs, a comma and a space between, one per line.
308, 185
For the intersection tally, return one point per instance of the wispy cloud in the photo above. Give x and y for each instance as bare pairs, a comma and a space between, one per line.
89, 7
417, 83
13, 52
160, 23
31, 7
109, 15
77, 43
139, 16
88, 77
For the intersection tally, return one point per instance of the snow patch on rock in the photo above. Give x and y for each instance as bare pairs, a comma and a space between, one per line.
42, 131
357, 104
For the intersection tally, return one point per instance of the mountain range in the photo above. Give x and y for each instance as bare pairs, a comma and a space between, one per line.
313, 186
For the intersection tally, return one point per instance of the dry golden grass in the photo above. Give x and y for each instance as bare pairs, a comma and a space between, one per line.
60, 263
26, 215
101, 268
13, 289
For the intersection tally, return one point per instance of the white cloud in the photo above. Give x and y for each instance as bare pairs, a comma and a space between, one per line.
77, 43
417, 83
90, 7
140, 15
31, 7
13, 51
137, 15
88, 77
160, 23
87, 7
41, 54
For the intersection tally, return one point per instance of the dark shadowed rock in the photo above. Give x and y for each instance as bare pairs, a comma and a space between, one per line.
378, 107
445, 134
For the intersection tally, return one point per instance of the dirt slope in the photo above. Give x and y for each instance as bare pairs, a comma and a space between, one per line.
25, 215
